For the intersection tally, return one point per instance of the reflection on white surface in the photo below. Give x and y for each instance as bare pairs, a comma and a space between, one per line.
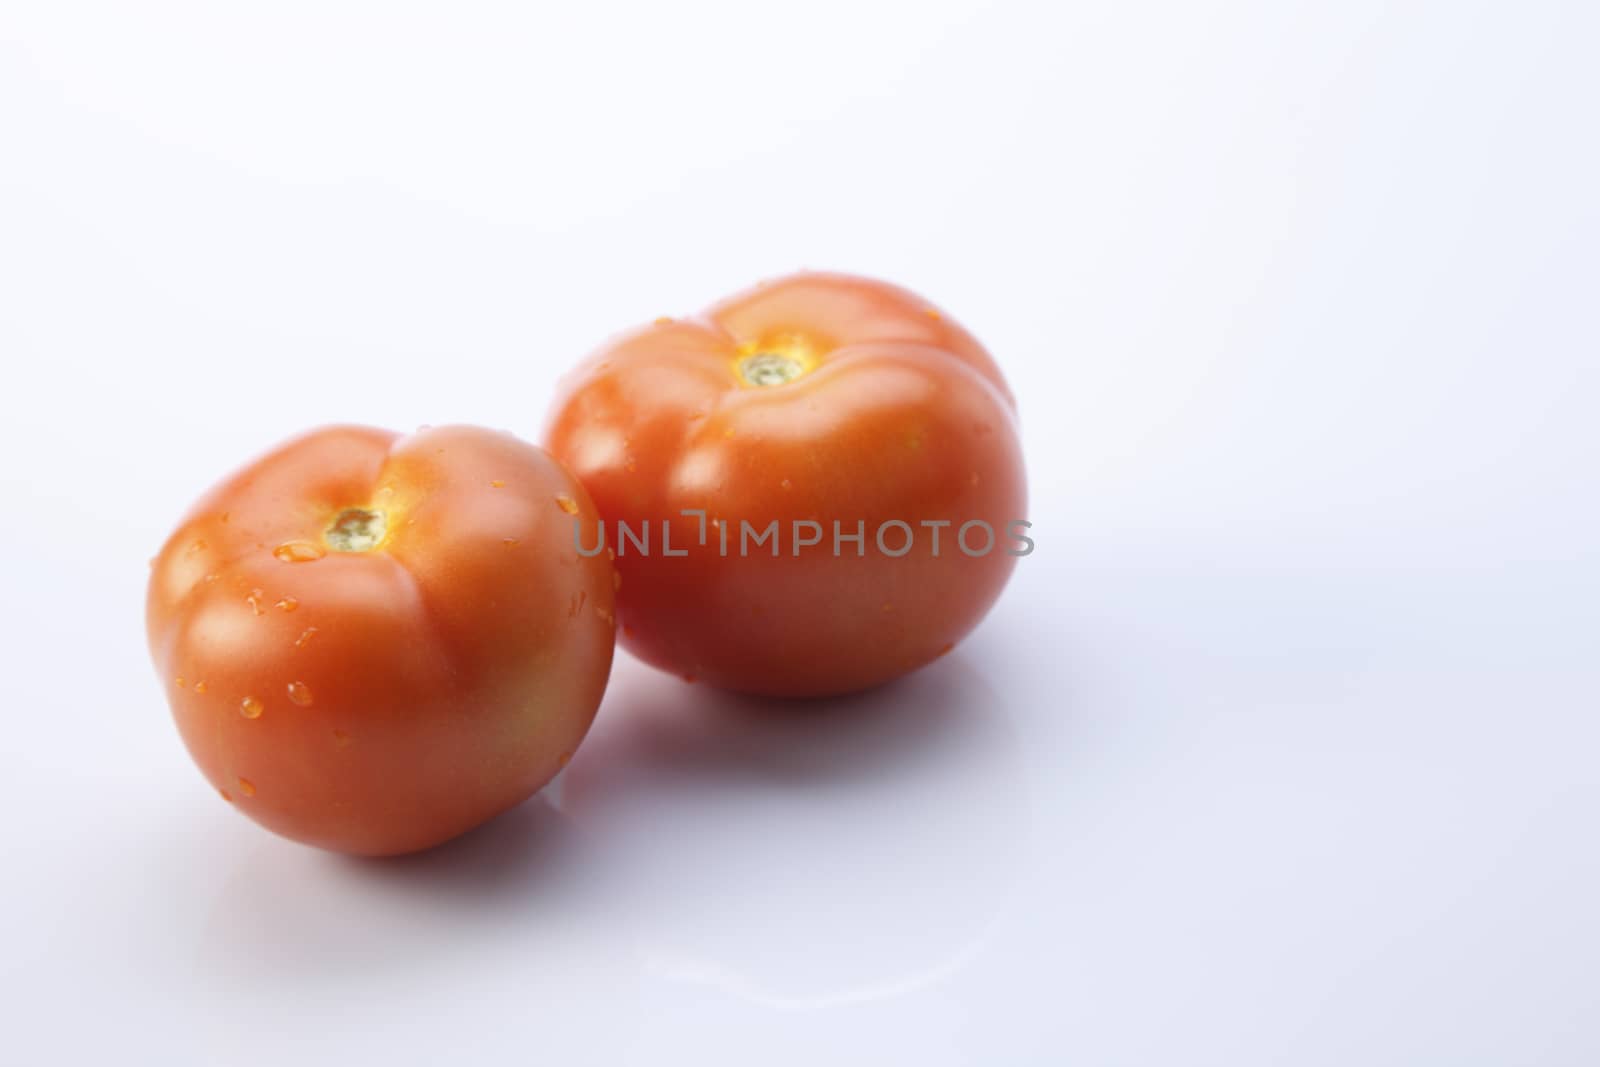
803, 855
301, 917
504, 920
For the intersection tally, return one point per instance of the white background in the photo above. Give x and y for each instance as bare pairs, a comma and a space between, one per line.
1281, 749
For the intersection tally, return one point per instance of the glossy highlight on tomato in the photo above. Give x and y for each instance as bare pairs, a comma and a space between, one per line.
374, 642
817, 398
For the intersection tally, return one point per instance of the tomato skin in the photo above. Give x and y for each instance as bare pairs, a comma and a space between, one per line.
897, 414
383, 701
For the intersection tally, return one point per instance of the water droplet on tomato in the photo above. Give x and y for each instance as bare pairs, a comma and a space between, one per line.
566, 503
305, 636
247, 787
300, 693
251, 708
288, 603
200, 687
298, 552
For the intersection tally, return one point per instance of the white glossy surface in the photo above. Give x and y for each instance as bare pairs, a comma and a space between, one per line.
1281, 748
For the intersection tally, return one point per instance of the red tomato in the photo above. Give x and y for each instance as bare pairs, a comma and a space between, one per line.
820, 398
373, 643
